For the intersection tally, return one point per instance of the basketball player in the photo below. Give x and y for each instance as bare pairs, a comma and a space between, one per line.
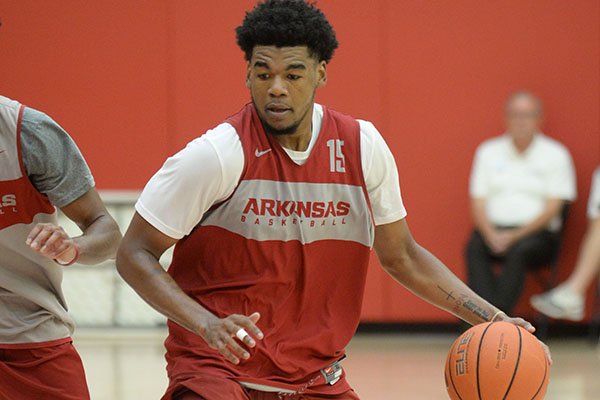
274, 213
41, 168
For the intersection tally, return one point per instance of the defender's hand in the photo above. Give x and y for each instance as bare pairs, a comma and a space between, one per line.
219, 333
53, 242
529, 328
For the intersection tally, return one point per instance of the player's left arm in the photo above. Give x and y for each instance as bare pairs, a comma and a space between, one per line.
407, 262
426, 276
99, 239
423, 274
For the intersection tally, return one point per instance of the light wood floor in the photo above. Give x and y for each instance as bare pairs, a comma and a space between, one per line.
130, 366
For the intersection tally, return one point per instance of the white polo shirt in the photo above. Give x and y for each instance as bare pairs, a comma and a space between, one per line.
516, 185
594, 201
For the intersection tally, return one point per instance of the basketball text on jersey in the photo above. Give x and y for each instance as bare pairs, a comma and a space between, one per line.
294, 208
311, 213
301, 211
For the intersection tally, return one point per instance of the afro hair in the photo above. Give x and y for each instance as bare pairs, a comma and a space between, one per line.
287, 23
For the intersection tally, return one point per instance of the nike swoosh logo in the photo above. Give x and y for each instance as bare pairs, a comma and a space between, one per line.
261, 153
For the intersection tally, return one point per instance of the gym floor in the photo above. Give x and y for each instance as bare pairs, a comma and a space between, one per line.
125, 365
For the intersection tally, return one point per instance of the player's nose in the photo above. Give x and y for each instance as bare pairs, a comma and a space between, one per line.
278, 87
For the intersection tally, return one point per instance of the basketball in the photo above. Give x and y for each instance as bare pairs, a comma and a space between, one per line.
496, 361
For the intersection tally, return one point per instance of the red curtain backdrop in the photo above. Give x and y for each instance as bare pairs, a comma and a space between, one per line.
134, 81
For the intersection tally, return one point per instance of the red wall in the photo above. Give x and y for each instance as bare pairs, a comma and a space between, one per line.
133, 81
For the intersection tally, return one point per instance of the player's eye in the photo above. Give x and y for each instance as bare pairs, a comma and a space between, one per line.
293, 77
263, 77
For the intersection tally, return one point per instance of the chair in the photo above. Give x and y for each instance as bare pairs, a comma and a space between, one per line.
547, 283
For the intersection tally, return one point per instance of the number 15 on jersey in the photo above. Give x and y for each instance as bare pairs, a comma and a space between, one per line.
337, 162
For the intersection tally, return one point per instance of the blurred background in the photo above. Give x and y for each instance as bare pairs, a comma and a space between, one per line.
133, 81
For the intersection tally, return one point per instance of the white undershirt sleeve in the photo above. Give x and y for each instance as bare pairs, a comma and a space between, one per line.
189, 183
381, 176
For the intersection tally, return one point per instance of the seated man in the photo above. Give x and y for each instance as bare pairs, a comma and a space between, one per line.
566, 301
519, 184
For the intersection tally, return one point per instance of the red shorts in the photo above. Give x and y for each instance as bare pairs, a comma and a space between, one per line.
47, 371
214, 388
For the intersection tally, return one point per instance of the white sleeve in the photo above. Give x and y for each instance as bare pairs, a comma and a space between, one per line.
381, 176
594, 202
189, 183
561, 182
478, 182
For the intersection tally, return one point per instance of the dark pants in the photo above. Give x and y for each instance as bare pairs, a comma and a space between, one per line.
503, 288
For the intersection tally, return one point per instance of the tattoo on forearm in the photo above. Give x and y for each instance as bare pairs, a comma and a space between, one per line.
477, 310
448, 294
462, 301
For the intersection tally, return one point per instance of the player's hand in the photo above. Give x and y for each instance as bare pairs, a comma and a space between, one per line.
220, 334
529, 328
53, 242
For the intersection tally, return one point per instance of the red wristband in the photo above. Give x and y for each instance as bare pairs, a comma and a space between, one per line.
74, 260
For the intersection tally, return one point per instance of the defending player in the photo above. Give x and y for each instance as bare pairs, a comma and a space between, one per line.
40, 169
274, 213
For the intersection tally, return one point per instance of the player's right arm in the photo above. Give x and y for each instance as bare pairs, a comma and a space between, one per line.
171, 205
138, 264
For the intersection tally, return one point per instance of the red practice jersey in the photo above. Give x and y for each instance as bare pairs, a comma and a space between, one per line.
292, 242
32, 307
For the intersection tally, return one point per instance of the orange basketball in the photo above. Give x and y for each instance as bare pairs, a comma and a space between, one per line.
496, 361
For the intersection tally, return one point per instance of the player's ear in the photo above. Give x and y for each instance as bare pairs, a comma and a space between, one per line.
248, 72
322, 74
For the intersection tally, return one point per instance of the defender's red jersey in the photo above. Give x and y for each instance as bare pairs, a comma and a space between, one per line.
293, 243
32, 306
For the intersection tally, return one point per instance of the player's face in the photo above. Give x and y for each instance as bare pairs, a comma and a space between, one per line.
523, 118
282, 82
